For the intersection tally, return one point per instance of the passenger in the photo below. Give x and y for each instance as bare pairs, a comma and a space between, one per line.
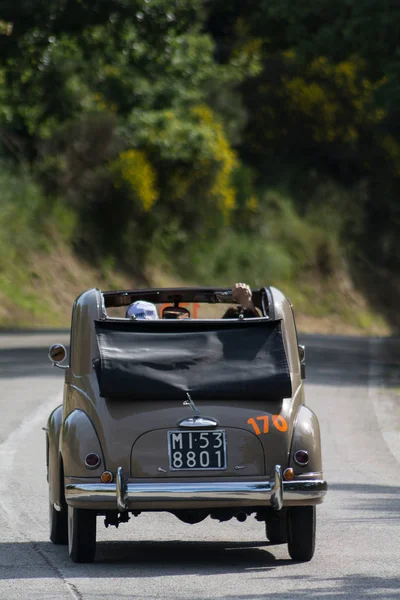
141, 309
241, 293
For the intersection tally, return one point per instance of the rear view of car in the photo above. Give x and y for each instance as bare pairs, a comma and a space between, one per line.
197, 417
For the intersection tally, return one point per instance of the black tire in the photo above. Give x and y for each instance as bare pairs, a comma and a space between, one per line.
58, 521
81, 534
301, 532
276, 528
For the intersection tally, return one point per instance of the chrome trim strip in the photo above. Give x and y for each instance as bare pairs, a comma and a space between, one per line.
165, 494
82, 392
310, 475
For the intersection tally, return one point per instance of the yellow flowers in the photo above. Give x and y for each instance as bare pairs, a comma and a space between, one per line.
335, 98
200, 163
252, 204
133, 169
111, 71
224, 156
392, 148
101, 103
247, 56
6, 28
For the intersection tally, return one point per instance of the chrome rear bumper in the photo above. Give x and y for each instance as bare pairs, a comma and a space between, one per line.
169, 496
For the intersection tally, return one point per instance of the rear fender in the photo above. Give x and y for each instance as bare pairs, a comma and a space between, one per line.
78, 439
306, 436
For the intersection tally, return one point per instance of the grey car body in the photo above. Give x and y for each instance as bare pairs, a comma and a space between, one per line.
198, 417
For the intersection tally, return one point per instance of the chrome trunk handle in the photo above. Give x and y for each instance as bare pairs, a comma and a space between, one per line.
197, 421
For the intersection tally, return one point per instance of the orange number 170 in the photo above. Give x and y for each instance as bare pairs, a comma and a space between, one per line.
277, 420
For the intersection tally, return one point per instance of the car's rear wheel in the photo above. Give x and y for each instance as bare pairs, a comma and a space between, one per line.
276, 527
301, 532
58, 521
81, 534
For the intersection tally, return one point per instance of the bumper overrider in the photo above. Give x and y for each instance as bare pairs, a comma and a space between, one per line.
124, 496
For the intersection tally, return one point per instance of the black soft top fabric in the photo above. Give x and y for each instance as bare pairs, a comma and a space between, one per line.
209, 360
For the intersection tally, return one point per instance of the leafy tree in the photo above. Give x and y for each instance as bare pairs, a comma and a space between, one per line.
109, 101
324, 101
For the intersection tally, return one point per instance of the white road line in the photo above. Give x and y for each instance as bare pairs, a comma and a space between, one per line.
13, 442
10, 505
386, 403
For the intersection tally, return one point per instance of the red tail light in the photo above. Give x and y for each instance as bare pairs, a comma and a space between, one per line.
301, 458
92, 461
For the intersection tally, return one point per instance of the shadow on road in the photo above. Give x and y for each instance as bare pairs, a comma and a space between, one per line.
352, 587
140, 559
172, 558
382, 501
26, 362
351, 361
156, 559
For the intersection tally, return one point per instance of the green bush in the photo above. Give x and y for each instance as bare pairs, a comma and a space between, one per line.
28, 219
280, 246
22, 210
230, 256
312, 244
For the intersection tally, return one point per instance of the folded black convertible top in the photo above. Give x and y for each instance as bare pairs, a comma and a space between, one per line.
210, 360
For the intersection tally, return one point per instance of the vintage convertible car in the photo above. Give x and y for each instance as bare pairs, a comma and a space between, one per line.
200, 417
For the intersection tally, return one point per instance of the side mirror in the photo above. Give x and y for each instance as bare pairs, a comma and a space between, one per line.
302, 357
57, 353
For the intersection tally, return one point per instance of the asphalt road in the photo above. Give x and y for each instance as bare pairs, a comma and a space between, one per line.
354, 387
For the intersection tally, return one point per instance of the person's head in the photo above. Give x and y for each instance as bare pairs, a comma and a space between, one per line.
141, 310
175, 312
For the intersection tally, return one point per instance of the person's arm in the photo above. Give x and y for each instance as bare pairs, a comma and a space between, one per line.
241, 293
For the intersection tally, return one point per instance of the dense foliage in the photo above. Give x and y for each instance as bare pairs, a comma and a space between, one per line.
255, 137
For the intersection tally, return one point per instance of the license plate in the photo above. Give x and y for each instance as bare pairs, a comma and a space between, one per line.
197, 450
